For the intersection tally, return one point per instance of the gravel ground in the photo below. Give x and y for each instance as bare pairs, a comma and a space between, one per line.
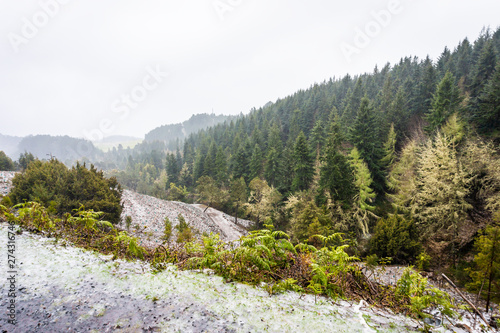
6, 181
389, 275
149, 213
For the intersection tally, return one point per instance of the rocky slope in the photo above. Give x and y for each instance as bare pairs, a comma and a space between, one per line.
148, 215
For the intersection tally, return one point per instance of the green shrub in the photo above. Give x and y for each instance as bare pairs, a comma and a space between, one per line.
53, 185
395, 237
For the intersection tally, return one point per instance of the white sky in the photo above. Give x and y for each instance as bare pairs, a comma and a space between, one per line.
69, 75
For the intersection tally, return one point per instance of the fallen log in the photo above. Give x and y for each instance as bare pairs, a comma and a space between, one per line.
465, 299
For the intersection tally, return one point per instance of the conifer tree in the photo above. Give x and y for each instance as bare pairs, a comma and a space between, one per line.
318, 137
336, 174
389, 149
303, 164
220, 164
172, 170
362, 180
238, 194
272, 169
445, 102
484, 69
398, 113
353, 102
488, 116
256, 162
364, 136
440, 205
426, 87
241, 162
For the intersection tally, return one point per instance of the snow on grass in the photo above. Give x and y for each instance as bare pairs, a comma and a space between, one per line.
44, 266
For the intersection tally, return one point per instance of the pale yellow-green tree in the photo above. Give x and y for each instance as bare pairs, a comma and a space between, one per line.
263, 200
209, 192
362, 180
402, 179
440, 206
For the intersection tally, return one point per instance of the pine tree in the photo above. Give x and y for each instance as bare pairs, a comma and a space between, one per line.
172, 170
464, 61
389, 149
209, 162
303, 164
221, 175
488, 116
426, 87
241, 162
318, 137
272, 169
364, 136
444, 62
336, 174
256, 162
362, 180
353, 102
440, 205
445, 102
483, 69
398, 113
238, 193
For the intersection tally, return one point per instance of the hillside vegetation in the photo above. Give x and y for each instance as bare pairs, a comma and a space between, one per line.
402, 164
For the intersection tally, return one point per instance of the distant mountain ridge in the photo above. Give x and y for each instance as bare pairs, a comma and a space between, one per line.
8, 144
172, 132
64, 148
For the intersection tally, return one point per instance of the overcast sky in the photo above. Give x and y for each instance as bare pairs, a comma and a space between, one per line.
89, 68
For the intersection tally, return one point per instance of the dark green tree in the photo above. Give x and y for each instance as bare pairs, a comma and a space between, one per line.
317, 137
445, 102
6, 164
238, 194
426, 87
221, 173
353, 102
303, 164
172, 170
365, 137
336, 174
488, 116
484, 69
256, 162
241, 162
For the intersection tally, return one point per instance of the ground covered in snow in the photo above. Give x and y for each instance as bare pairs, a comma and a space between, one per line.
60, 288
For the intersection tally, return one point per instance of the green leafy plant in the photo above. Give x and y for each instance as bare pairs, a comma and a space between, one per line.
414, 286
423, 261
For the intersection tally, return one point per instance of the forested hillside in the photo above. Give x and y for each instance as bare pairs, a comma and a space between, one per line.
418, 138
172, 134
